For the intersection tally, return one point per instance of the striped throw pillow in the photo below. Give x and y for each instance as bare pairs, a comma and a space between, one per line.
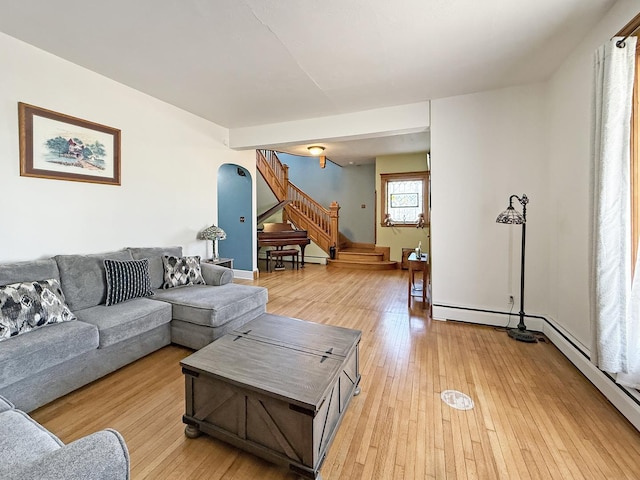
126, 280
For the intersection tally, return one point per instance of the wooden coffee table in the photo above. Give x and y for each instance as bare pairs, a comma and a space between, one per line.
278, 388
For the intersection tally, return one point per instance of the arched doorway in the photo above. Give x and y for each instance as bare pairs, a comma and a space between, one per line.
235, 215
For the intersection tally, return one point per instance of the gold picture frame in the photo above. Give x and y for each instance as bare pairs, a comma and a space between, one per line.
62, 147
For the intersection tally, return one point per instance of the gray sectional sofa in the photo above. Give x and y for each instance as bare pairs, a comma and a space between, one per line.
46, 363
31, 452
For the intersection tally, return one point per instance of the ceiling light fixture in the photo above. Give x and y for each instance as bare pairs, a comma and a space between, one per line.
315, 150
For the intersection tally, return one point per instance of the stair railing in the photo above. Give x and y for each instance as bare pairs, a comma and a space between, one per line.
274, 172
320, 223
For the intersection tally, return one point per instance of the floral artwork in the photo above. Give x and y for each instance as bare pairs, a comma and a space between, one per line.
53, 145
73, 151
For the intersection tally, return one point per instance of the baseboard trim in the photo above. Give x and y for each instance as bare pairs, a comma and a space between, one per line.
243, 274
622, 399
480, 316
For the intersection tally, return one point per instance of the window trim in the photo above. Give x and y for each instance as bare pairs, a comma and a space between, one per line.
635, 164
405, 176
630, 30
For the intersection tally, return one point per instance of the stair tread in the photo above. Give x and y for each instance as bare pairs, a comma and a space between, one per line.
358, 250
366, 254
338, 260
378, 265
359, 260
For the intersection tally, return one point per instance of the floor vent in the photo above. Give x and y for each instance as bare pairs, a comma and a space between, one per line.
457, 400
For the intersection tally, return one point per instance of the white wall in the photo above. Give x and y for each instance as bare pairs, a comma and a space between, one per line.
568, 179
535, 140
484, 148
169, 164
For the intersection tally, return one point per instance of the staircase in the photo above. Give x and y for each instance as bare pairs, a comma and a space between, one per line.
320, 223
299, 208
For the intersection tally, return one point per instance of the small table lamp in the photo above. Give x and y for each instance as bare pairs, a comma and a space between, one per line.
214, 234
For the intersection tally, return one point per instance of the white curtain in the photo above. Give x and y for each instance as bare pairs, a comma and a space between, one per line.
615, 303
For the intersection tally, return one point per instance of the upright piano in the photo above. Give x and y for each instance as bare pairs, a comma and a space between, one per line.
282, 234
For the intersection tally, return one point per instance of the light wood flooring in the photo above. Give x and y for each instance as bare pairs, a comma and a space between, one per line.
535, 415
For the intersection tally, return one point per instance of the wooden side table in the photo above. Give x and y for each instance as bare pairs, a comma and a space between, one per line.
223, 262
418, 265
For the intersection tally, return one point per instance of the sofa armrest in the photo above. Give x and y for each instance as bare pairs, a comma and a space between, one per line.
100, 456
215, 274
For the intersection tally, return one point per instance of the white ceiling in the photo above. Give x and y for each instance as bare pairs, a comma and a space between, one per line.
357, 152
243, 63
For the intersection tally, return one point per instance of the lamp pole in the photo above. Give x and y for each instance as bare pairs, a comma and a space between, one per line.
523, 201
521, 333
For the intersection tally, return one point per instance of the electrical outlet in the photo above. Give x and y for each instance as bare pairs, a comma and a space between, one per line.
510, 299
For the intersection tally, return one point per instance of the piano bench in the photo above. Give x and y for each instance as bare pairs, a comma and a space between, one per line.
278, 254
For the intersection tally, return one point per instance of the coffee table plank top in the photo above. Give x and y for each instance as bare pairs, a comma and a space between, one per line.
301, 334
293, 375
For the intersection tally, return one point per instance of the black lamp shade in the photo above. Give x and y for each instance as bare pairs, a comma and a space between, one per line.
510, 216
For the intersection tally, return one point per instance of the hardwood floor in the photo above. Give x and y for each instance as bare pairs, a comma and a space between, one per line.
535, 415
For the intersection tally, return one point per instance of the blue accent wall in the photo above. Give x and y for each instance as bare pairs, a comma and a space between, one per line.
351, 186
234, 202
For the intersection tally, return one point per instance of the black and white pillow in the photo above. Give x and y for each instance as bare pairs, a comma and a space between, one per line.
181, 271
26, 306
126, 280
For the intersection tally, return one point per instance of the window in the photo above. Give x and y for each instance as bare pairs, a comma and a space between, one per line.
404, 199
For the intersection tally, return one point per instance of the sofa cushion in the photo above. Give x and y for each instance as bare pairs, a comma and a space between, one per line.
83, 279
126, 320
126, 280
213, 306
30, 305
198, 336
28, 271
22, 440
181, 271
154, 255
25, 355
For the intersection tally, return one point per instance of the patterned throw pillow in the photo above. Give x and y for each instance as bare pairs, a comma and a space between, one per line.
181, 271
29, 305
126, 280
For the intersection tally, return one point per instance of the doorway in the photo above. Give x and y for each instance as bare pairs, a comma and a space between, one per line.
235, 215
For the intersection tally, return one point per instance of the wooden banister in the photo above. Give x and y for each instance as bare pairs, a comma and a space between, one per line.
274, 172
303, 211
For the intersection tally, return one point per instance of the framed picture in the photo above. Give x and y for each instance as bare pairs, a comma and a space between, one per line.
61, 147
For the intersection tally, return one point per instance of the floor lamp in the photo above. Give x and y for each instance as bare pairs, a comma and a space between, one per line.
512, 217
